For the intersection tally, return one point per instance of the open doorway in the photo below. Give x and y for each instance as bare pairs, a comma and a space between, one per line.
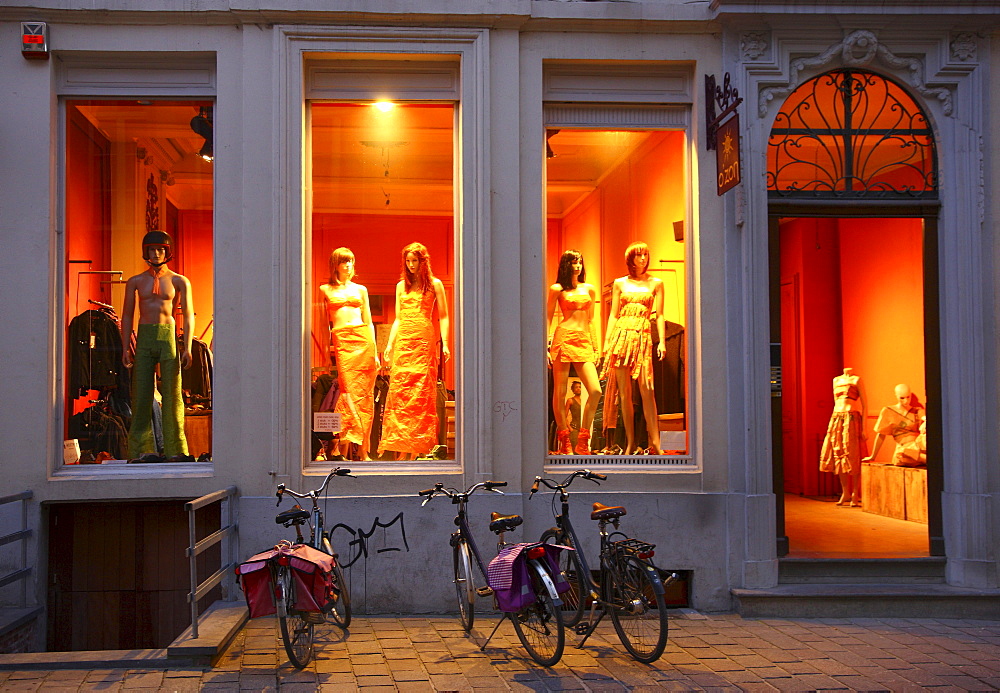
854, 392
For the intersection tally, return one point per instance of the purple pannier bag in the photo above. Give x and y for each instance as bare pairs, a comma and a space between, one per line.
509, 575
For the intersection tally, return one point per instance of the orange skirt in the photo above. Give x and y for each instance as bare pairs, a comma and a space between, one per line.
355, 354
572, 346
410, 422
842, 447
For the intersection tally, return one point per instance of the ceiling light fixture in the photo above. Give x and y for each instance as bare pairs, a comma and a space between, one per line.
384, 106
202, 125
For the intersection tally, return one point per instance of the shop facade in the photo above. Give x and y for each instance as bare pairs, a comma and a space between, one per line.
263, 140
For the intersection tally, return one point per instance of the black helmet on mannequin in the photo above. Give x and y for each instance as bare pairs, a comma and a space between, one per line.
157, 238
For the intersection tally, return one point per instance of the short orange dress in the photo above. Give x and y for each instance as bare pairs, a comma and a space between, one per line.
571, 345
631, 344
410, 422
354, 352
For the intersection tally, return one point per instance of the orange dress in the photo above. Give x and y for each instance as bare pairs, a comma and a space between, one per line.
571, 345
410, 422
354, 351
843, 446
631, 345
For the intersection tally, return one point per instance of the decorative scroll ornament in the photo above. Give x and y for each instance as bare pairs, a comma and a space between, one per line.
860, 48
851, 134
754, 45
963, 47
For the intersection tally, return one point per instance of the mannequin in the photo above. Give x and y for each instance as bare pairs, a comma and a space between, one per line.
160, 292
352, 349
628, 346
574, 411
410, 422
905, 422
572, 344
845, 436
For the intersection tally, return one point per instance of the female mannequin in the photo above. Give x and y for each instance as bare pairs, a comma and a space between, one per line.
573, 345
843, 446
628, 346
410, 422
352, 350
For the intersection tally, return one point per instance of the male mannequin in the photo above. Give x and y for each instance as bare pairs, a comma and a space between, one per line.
159, 291
574, 410
903, 421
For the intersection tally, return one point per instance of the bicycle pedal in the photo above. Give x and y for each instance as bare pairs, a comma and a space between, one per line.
484, 591
581, 628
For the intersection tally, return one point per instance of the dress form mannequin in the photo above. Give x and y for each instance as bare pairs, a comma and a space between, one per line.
628, 346
352, 349
410, 422
845, 436
159, 291
573, 344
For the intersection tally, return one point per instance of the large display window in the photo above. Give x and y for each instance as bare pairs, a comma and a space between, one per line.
616, 305
139, 269
382, 271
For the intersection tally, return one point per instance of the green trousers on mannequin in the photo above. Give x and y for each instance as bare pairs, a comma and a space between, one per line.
156, 344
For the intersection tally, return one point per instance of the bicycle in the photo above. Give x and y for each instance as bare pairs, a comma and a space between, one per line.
537, 624
628, 587
297, 626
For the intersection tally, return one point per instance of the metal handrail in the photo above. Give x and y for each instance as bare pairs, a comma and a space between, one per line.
195, 548
23, 572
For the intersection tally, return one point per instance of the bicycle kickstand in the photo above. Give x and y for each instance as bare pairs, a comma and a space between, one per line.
587, 629
495, 629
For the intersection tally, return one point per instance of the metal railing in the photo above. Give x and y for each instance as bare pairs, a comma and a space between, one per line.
22, 535
196, 548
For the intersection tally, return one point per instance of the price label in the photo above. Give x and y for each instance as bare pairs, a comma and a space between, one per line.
326, 422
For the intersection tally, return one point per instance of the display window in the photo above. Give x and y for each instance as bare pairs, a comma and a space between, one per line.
139, 301
382, 280
616, 294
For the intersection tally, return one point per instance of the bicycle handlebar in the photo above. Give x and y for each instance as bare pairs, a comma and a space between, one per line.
583, 473
455, 493
339, 471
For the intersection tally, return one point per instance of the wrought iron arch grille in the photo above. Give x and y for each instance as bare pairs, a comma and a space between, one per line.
851, 134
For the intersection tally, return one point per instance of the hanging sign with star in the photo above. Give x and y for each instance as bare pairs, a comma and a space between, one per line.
727, 154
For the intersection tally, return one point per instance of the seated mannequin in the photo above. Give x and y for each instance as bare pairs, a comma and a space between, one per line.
905, 422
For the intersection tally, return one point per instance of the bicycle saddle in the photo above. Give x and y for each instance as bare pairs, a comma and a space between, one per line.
607, 512
292, 515
504, 523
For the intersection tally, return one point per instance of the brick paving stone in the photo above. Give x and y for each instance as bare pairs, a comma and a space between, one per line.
413, 686
373, 680
258, 682
800, 668
142, 679
298, 687
776, 656
379, 669
770, 672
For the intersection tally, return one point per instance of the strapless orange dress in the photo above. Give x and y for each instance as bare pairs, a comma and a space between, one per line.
410, 422
571, 345
354, 353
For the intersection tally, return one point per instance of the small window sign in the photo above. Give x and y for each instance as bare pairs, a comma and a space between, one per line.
326, 422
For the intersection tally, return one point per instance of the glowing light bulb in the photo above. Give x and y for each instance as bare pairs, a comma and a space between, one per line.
385, 106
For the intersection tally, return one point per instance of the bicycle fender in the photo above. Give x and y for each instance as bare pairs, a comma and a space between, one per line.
654, 576
543, 575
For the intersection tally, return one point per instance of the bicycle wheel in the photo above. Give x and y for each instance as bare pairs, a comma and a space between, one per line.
574, 601
465, 587
539, 627
296, 633
340, 611
638, 613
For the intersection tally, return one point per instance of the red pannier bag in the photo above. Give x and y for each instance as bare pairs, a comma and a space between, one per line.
310, 570
508, 574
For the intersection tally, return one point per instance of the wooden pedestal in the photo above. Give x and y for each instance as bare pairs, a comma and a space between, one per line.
198, 431
891, 491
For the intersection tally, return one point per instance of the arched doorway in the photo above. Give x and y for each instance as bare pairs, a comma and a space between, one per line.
852, 204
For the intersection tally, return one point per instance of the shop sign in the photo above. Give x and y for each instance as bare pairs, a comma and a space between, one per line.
727, 154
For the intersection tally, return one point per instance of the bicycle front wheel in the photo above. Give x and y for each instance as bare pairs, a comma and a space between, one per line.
340, 611
465, 587
296, 633
574, 600
539, 627
637, 612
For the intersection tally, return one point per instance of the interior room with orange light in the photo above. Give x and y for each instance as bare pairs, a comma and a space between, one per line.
606, 189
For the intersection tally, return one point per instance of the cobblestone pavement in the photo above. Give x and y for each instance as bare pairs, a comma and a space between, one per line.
715, 652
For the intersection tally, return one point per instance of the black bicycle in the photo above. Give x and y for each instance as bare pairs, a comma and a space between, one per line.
297, 626
628, 588
537, 624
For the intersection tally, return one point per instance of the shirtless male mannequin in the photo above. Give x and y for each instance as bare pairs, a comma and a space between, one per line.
160, 291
